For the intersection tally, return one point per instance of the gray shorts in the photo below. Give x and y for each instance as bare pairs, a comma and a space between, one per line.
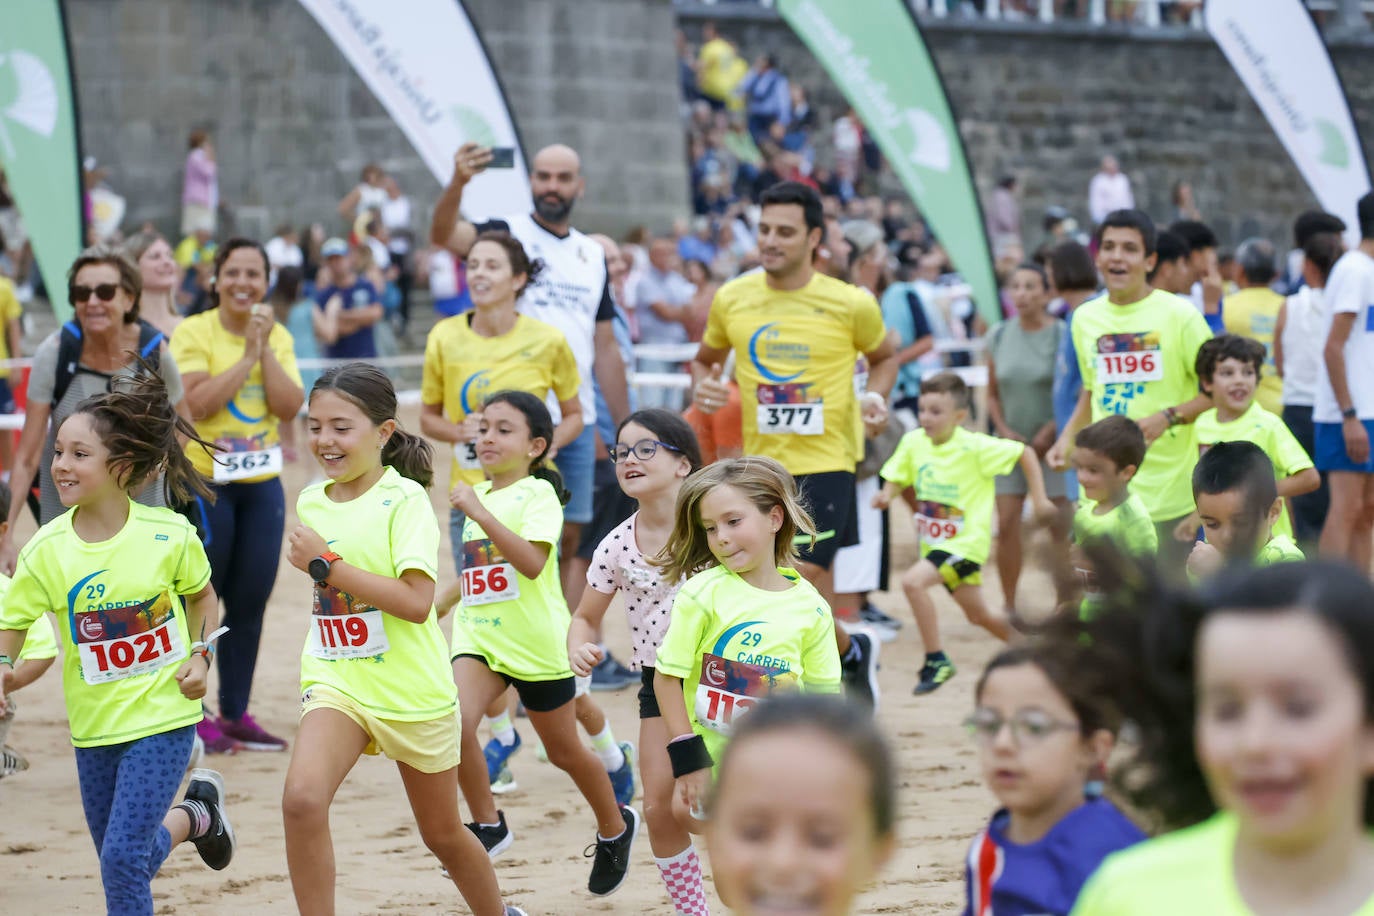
1014, 484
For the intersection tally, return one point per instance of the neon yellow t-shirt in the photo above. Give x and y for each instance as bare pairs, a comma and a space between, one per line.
954, 487
1254, 313
1266, 430
10, 309
718, 69
519, 625
1189, 871
1128, 526
795, 357
1279, 549
244, 427
463, 367
396, 669
41, 640
732, 644
124, 625
1136, 360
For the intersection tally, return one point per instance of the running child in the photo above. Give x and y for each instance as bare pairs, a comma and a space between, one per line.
33, 661
511, 626
374, 675
1254, 701
745, 624
809, 836
1229, 369
1044, 728
1106, 456
131, 585
655, 450
1239, 506
952, 470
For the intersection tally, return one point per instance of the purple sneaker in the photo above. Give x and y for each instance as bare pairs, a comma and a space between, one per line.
251, 735
214, 740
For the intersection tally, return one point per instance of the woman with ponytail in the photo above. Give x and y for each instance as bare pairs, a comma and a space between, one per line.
374, 670
511, 625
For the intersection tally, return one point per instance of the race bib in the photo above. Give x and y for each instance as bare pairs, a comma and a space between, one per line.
728, 689
790, 409
1131, 358
233, 466
342, 627
466, 454
487, 577
115, 643
937, 523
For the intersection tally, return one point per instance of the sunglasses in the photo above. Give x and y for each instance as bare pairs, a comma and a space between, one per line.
644, 449
105, 292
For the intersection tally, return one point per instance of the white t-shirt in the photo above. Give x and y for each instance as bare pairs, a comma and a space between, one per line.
1303, 339
1350, 289
572, 293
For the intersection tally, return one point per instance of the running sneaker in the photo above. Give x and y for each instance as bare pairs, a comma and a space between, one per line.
612, 675
252, 735
216, 845
871, 615
197, 753
934, 673
623, 779
512, 910
611, 858
215, 741
11, 762
504, 782
497, 754
495, 840
859, 675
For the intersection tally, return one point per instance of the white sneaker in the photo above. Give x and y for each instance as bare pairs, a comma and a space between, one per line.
11, 762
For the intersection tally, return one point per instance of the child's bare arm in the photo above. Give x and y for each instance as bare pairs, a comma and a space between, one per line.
26, 672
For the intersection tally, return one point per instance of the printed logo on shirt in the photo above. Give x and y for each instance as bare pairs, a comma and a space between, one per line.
118, 638
474, 391
730, 687
766, 343
487, 576
985, 863
1125, 364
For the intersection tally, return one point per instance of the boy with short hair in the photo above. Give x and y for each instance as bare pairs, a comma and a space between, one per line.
37, 656
1229, 369
1106, 456
1238, 502
952, 471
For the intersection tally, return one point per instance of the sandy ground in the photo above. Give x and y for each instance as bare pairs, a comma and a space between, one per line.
49, 863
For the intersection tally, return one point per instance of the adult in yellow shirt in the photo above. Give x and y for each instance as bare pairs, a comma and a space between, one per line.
720, 69
10, 310
1137, 351
798, 335
239, 369
1253, 311
489, 349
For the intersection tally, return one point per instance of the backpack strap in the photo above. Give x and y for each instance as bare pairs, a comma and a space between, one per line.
68, 356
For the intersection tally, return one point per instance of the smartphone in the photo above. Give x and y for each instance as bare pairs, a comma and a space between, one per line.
502, 157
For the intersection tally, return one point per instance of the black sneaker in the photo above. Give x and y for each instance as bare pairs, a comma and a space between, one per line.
612, 857
873, 616
860, 676
934, 673
612, 675
495, 840
216, 846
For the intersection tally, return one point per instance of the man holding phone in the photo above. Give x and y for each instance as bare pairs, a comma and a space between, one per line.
572, 293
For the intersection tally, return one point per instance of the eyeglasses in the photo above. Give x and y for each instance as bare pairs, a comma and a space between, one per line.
644, 449
1027, 728
105, 292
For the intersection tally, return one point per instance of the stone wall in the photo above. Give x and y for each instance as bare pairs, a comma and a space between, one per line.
294, 125
1045, 104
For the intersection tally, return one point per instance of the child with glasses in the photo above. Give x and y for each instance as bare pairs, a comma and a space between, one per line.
1042, 731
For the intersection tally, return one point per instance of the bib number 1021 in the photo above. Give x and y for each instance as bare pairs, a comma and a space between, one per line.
123, 653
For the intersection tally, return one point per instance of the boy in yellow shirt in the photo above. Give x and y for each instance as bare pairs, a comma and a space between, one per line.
1238, 502
952, 470
34, 659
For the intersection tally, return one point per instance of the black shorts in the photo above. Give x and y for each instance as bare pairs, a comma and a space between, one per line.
955, 572
538, 696
610, 507
829, 497
648, 700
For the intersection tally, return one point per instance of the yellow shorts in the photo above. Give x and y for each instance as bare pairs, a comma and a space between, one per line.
955, 572
430, 746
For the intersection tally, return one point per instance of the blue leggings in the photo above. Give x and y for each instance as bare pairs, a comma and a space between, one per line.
126, 790
243, 542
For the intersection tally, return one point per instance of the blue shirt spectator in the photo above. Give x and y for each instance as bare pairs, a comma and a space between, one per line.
767, 98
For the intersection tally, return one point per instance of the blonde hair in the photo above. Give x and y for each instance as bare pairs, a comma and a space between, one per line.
763, 482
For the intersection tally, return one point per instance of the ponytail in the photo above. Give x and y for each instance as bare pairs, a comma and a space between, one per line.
410, 455
548, 472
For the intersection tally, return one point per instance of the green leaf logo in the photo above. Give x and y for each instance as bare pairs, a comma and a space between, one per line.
473, 126
35, 100
1334, 151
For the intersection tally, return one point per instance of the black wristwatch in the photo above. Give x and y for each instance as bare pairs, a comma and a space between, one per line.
320, 566
1350, 413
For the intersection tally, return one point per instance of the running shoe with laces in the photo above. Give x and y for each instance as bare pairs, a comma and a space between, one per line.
610, 674
611, 858
216, 845
214, 741
871, 615
623, 779
11, 762
859, 675
497, 754
251, 735
934, 673
495, 839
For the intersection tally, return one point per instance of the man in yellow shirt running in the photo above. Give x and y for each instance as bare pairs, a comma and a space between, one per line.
799, 336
